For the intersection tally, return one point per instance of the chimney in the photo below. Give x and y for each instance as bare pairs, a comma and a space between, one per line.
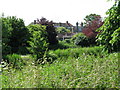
67, 22
34, 21
77, 26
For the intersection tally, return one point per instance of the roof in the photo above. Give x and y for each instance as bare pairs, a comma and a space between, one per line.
67, 24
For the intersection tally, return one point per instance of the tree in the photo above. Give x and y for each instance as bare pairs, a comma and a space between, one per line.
110, 31
50, 29
38, 41
6, 34
19, 34
92, 22
62, 30
82, 40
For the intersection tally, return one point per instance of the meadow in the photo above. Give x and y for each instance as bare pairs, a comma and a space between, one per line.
78, 67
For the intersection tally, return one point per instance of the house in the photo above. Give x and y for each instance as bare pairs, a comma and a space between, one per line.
74, 29
66, 25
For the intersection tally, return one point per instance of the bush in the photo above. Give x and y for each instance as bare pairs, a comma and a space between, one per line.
19, 34
62, 30
38, 41
77, 52
63, 45
67, 41
50, 29
14, 60
82, 40
76, 35
14, 34
23, 50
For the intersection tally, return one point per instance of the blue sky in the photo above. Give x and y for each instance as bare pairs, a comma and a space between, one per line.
56, 10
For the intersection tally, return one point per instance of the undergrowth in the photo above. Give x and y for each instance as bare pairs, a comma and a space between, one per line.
73, 68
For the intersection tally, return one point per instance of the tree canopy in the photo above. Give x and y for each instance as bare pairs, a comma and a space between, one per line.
62, 30
50, 29
92, 22
110, 31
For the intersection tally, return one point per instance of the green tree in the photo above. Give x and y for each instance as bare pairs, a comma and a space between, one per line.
19, 34
50, 29
110, 31
89, 18
38, 41
6, 34
62, 30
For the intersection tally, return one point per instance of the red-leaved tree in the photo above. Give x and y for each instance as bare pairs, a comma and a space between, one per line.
92, 22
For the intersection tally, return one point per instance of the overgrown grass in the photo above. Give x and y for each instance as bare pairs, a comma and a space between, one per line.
76, 52
74, 68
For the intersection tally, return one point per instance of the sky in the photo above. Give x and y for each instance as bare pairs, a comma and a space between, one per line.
56, 10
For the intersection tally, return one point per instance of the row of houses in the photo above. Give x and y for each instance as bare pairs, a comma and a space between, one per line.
74, 29
69, 26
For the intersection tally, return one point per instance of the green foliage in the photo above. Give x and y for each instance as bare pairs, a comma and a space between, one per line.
14, 34
67, 40
110, 31
14, 60
19, 34
51, 35
38, 41
6, 34
77, 52
116, 36
82, 40
85, 71
50, 29
89, 18
62, 45
62, 30
76, 35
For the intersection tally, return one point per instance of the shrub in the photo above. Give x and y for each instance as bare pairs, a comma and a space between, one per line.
19, 34
50, 29
38, 41
62, 30
63, 45
67, 40
14, 34
76, 35
82, 40
77, 52
14, 60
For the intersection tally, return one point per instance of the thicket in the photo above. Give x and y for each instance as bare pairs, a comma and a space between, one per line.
14, 61
50, 29
110, 31
14, 35
62, 30
17, 38
83, 40
38, 41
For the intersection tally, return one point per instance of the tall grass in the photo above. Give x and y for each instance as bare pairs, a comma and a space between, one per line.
74, 68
